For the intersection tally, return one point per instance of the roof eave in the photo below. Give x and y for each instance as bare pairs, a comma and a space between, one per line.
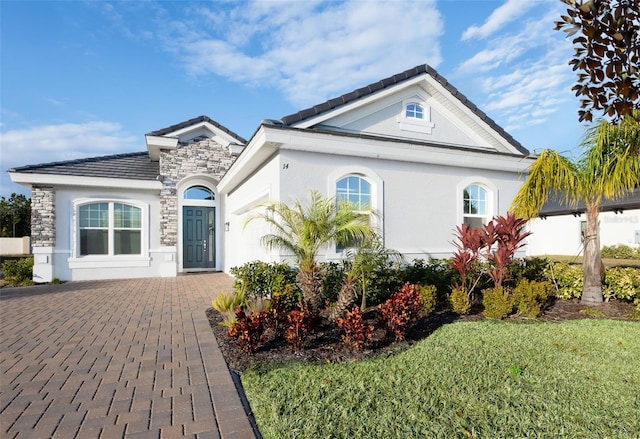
28, 179
155, 144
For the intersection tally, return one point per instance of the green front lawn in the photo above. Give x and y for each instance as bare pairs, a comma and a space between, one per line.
468, 379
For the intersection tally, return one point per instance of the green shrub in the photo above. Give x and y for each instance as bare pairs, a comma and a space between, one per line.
620, 251
334, 275
287, 298
428, 296
622, 283
635, 314
436, 272
18, 271
498, 302
262, 279
459, 301
529, 296
532, 268
567, 280
382, 282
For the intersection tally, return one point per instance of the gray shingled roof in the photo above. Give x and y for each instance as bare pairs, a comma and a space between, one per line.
135, 165
556, 206
393, 80
357, 135
195, 120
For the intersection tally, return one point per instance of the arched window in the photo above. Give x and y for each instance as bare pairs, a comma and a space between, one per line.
109, 228
474, 206
198, 193
414, 111
354, 189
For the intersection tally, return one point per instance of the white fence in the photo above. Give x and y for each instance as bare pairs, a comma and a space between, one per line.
15, 246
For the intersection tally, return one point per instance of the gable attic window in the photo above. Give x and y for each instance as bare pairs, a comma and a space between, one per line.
414, 111
109, 228
415, 116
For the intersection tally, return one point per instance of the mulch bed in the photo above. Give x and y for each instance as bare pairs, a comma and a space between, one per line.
326, 343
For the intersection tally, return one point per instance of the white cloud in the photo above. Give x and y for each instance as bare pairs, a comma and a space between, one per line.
56, 102
310, 51
522, 72
48, 143
503, 15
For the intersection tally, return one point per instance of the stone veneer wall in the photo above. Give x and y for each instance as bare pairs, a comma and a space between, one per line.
201, 157
43, 216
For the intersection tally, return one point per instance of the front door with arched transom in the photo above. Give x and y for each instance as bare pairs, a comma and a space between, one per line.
198, 230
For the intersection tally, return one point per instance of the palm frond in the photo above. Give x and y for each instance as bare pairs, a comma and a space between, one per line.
305, 229
613, 157
549, 173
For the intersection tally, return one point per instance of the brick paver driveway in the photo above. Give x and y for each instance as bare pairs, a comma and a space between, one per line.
107, 359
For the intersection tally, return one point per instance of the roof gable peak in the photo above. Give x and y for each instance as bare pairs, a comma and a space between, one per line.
173, 130
195, 129
317, 114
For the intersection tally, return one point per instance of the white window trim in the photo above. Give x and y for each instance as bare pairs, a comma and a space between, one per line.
377, 197
108, 261
413, 124
492, 198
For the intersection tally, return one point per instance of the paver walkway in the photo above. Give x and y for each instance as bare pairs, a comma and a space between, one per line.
112, 359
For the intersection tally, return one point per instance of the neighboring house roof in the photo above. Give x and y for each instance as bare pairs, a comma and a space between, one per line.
136, 165
191, 122
556, 206
391, 81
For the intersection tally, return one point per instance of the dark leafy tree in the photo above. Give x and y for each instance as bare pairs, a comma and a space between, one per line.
15, 216
607, 55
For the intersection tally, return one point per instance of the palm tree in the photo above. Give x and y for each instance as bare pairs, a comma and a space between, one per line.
609, 167
365, 258
305, 231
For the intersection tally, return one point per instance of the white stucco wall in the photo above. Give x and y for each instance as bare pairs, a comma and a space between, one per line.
420, 204
383, 117
242, 241
158, 262
560, 235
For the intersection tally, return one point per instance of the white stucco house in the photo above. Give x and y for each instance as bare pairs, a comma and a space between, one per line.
411, 146
560, 228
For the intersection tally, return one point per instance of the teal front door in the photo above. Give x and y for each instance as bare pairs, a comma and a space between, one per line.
198, 237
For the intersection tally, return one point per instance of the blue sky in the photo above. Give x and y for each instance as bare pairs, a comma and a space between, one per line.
80, 79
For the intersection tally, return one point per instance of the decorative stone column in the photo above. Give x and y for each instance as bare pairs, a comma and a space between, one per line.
200, 156
43, 232
168, 213
205, 156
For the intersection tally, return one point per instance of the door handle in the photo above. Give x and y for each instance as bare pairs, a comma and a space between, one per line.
205, 244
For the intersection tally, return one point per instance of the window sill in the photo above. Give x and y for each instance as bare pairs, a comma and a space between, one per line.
122, 261
416, 126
